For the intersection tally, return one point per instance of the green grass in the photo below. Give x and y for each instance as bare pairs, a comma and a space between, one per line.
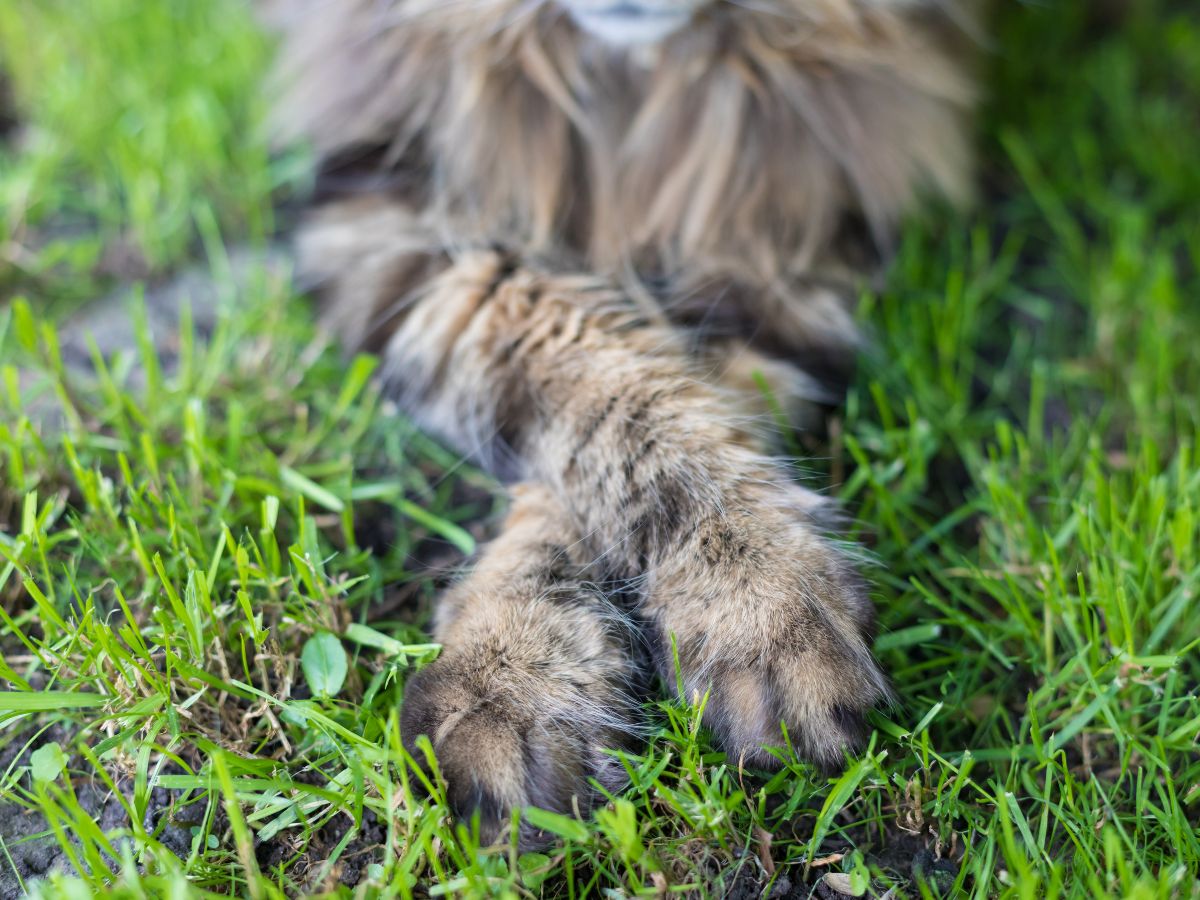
143, 116
1020, 451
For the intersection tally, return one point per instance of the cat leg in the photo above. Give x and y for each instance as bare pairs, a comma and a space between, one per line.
560, 379
536, 681
587, 397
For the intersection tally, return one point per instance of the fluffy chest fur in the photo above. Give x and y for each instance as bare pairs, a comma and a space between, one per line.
738, 147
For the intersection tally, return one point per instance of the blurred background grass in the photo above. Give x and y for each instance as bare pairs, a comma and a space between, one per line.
133, 116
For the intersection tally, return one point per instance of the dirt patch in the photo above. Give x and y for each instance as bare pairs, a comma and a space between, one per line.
34, 851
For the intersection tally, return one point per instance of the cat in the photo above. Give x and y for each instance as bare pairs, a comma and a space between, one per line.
581, 234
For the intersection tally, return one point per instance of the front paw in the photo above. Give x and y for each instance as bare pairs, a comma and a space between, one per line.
522, 709
772, 619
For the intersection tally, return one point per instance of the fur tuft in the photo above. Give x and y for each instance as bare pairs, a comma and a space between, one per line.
738, 149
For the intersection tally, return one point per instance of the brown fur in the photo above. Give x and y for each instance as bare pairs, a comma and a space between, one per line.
537, 679
737, 154
574, 261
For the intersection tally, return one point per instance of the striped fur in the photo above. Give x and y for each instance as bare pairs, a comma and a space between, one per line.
575, 261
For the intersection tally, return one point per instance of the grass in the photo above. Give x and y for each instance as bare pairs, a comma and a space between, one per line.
210, 573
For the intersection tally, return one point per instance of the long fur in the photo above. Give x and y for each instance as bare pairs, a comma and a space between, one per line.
736, 149
521, 189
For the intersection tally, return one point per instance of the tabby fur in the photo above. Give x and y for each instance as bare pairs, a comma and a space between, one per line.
578, 262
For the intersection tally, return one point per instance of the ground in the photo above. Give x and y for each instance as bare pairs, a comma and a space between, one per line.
218, 545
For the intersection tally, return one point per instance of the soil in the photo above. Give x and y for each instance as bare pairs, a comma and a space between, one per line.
34, 851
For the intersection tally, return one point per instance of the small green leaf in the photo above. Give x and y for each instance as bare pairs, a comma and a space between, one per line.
310, 489
563, 826
534, 867
907, 637
369, 637
24, 324
454, 534
356, 379
24, 701
619, 823
47, 762
324, 662
860, 875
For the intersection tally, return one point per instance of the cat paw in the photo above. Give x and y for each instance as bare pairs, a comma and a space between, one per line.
523, 709
770, 617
